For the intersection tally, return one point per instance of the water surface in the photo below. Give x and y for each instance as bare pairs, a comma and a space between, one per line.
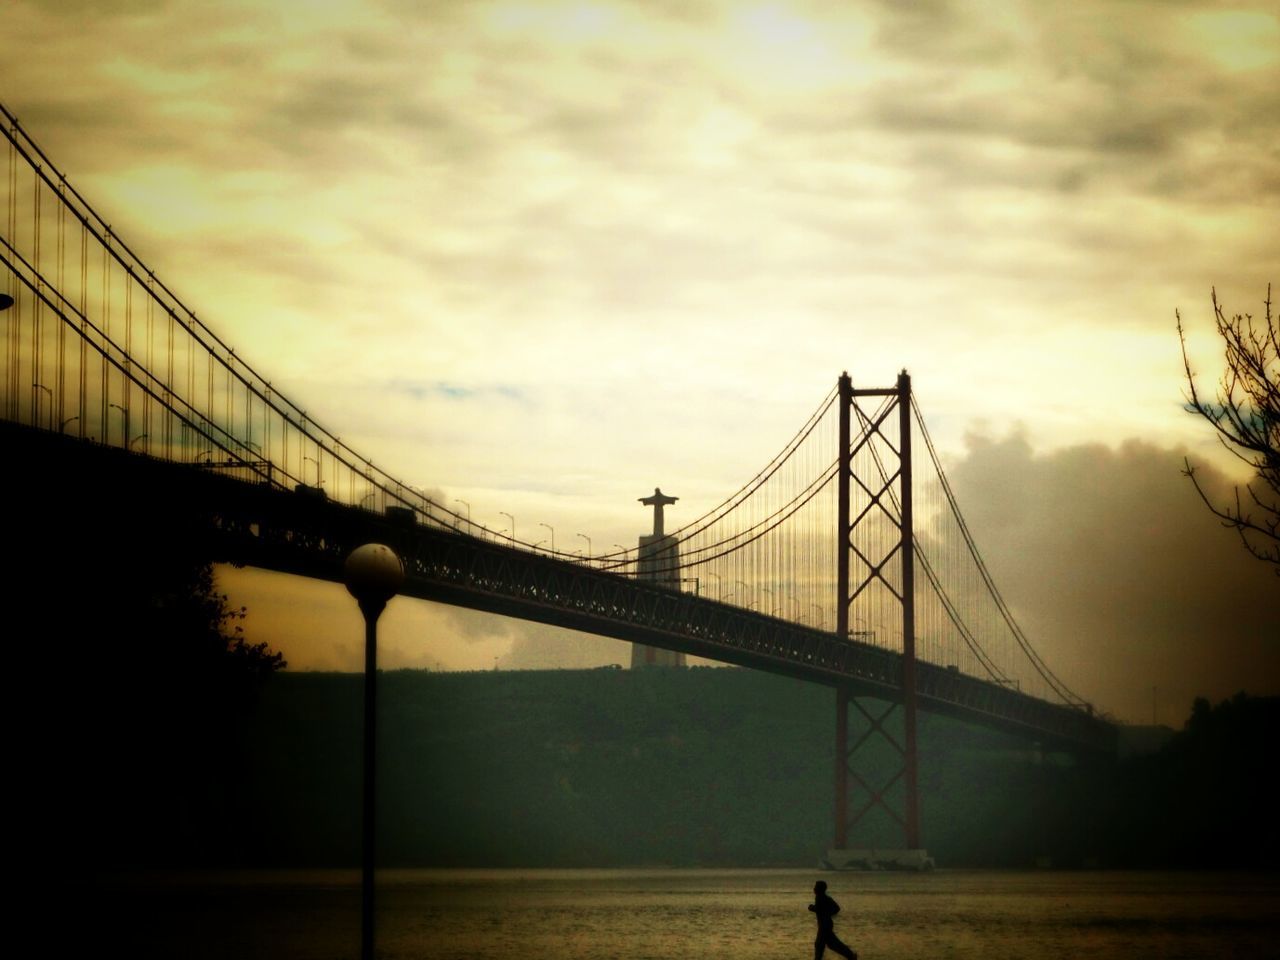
669, 914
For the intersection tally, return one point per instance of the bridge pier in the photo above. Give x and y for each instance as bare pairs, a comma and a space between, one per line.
874, 792
909, 816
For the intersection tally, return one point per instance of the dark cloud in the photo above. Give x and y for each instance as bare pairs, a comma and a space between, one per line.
80, 11
940, 31
1120, 577
536, 646
1098, 121
1119, 96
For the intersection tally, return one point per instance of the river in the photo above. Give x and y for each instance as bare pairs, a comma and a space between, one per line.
682, 914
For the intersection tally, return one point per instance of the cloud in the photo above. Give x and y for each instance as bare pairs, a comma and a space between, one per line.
663, 230
452, 391
539, 647
1118, 574
317, 626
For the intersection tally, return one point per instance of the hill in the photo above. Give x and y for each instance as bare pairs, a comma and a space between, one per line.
606, 767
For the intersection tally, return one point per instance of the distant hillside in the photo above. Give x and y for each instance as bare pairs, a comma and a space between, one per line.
700, 766
606, 767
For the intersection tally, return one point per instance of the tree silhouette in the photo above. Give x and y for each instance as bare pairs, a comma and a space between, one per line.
142, 685
1246, 416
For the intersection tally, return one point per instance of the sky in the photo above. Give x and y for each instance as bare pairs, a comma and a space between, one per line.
543, 257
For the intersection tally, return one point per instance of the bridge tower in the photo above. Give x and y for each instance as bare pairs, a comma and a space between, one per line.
885, 500
659, 562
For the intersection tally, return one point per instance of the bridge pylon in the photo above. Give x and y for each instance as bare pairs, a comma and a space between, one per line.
888, 569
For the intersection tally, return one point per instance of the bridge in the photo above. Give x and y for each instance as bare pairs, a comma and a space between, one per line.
808, 570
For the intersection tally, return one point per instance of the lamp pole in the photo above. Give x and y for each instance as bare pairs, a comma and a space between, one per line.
125, 412
373, 573
51, 411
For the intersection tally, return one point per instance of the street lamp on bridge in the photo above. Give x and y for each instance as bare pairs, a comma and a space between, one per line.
41, 386
373, 573
125, 411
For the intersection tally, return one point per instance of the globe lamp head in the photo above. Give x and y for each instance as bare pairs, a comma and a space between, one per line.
373, 572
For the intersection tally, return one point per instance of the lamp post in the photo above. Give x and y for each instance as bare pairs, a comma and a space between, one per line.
588, 539
51, 412
373, 573
553, 533
468, 506
125, 412
503, 513
621, 564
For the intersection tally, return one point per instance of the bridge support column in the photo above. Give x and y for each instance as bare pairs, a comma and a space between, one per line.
842, 768
845, 400
907, 551
878, 494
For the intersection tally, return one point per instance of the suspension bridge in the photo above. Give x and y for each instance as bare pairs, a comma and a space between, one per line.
844, 561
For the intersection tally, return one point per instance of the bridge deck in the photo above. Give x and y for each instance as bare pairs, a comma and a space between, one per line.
264, 525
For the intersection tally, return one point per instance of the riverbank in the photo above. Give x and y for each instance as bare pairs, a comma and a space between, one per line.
686, 914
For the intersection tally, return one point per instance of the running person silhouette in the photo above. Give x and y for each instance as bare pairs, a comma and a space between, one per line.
825, 909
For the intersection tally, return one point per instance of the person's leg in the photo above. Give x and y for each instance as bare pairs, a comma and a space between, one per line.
836, 944
819, 946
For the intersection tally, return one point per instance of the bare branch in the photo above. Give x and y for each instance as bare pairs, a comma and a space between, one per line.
1246, 417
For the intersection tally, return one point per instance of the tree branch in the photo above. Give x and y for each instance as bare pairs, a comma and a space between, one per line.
1246, 417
